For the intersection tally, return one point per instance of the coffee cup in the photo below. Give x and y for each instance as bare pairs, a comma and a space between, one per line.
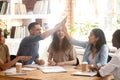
84, 66
18, 67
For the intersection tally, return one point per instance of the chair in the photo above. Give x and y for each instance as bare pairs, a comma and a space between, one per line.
76, 62
109, 58
12, 57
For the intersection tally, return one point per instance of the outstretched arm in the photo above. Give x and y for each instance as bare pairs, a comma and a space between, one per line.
4, 66
51, 31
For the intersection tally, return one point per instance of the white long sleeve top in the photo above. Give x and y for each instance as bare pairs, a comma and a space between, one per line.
112, 67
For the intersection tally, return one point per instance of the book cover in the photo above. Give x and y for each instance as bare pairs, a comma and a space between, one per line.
38, 7
4, 7
44, 7
1, 3
12, 34
8, 9
20, 8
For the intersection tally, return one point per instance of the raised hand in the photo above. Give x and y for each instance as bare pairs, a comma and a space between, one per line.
62, 23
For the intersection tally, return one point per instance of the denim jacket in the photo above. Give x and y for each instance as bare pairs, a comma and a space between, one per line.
100, 57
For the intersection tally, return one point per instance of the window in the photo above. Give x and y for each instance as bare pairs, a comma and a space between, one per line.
105, 14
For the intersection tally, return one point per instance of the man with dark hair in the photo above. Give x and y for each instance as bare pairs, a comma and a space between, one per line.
114, 65
29, 46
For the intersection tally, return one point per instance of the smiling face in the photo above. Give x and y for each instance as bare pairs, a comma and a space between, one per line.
36, 30
114, 42
2, 38
92, 38
60, 34
116, 39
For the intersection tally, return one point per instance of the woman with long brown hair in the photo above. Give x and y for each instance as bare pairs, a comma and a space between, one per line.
61, 52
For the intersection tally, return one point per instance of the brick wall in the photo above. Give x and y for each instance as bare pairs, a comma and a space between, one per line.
69, 11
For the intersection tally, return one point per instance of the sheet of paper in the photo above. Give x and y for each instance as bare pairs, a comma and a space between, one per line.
84, 73
49, 69
28, 69
33, 65
12, 71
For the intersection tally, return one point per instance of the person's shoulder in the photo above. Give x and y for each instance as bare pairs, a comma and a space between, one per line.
71, 47
5, 46
104, 46
26, 38
23, 38
32, 37
116, 56
117, 52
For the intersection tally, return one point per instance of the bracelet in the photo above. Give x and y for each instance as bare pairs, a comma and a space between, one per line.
92, 65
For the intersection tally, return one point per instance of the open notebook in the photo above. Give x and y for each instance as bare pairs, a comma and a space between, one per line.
49, 69
84, 73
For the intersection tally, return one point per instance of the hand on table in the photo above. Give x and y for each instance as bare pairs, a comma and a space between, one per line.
52, 63
61, 63
24, 58
78, 66
40, 62
93, 67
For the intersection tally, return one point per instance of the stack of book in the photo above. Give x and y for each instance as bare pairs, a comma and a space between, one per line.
4, 7
18, 32
41, 7
13, 8
20, 8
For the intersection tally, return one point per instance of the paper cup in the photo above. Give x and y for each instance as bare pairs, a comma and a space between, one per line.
18, 67
84, 66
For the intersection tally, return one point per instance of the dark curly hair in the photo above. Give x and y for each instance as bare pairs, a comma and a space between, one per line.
116, 35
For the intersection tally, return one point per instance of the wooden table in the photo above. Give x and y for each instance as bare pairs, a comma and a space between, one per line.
38, 75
